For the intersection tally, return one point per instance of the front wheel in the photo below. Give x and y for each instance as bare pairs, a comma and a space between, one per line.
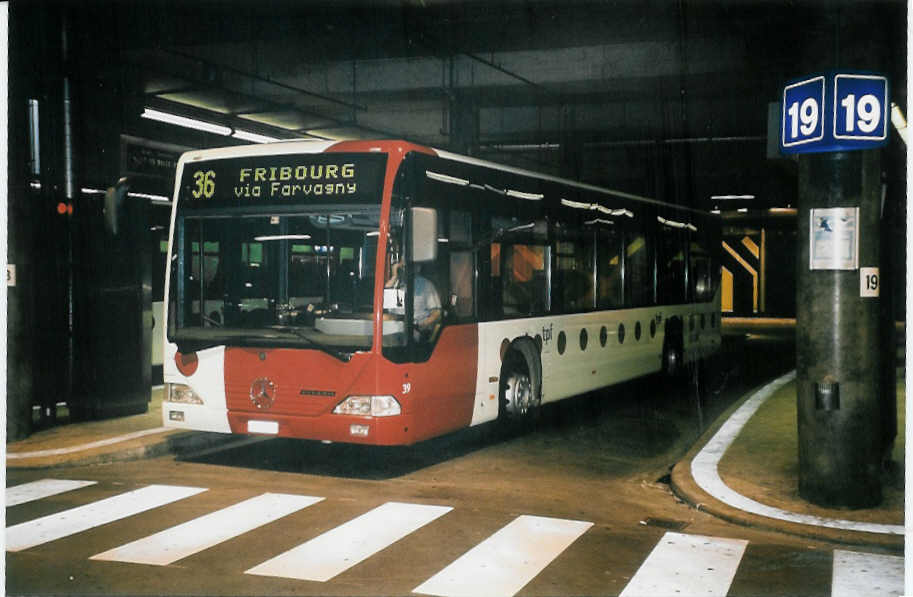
519, 399
518, 394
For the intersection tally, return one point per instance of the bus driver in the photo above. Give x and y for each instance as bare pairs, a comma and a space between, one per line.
426, 304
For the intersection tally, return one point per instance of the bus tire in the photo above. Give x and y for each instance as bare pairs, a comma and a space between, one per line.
673, 350
521, 383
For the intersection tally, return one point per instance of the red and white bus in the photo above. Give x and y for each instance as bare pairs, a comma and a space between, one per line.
382, 292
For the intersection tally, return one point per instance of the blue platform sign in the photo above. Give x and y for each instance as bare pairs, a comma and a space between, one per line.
834, 112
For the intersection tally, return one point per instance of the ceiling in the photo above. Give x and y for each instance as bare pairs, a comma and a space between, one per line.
664, 98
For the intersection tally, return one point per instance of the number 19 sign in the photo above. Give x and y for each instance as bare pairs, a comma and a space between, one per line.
834, 112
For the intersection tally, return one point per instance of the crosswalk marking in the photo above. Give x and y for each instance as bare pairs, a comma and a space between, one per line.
687, 565
503, 564
506, 562
867, 574
194, 536
336, 551
76, 520
36, 490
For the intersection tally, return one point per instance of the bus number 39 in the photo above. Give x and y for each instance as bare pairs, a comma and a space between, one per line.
204, 184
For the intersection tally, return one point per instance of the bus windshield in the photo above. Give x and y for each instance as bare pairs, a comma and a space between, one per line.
252, 268
277, 279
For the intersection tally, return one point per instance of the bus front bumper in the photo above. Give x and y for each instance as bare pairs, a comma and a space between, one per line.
381, 431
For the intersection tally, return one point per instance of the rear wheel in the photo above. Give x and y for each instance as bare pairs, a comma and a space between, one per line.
672, 359
673, 348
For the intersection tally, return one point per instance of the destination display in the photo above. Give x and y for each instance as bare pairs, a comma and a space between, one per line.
283, 179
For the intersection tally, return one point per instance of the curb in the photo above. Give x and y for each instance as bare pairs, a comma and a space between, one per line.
686, 488
176, 442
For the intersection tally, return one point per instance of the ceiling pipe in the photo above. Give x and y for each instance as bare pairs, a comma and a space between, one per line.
429, 46
626, 143
267, 80
514, 75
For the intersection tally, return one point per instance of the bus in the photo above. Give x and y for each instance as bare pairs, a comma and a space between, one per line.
384, 293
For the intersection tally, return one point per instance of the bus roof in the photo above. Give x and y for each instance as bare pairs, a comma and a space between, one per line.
401, 147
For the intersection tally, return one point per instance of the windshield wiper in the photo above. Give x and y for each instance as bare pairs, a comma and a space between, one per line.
342, 356
189, 344
214, 322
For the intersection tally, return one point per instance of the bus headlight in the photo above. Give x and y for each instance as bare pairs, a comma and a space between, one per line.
373, 406
178, 392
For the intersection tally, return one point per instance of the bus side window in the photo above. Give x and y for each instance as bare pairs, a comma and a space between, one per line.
492, 290
672, 249
609, 263
700, 276
462, 265
524, 288
638, 271
573, 284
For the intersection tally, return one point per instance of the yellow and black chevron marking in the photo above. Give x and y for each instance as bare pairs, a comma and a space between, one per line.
742, 275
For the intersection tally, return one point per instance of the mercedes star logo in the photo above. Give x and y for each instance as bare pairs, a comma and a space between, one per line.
262, 393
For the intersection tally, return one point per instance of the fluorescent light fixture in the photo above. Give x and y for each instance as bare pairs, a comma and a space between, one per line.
678, 225
445, 178
90, 191
191, 123
283, 237
732, 197
148, 196
899, 122
253, 137
529, 226
373, 233
596, 207
522, 195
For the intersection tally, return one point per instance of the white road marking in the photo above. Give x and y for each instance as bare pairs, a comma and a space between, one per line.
204, 532
334, 552
687, 565
866, 574
506, 562
704, 470
36, 490
76, 520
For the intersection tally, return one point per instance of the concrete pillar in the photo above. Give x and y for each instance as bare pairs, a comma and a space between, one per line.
20, 237
837, 339
37, 335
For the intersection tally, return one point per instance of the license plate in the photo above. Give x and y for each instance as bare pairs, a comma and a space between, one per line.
270, 427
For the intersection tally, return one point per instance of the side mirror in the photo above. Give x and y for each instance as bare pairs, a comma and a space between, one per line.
114, 204
424, 234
